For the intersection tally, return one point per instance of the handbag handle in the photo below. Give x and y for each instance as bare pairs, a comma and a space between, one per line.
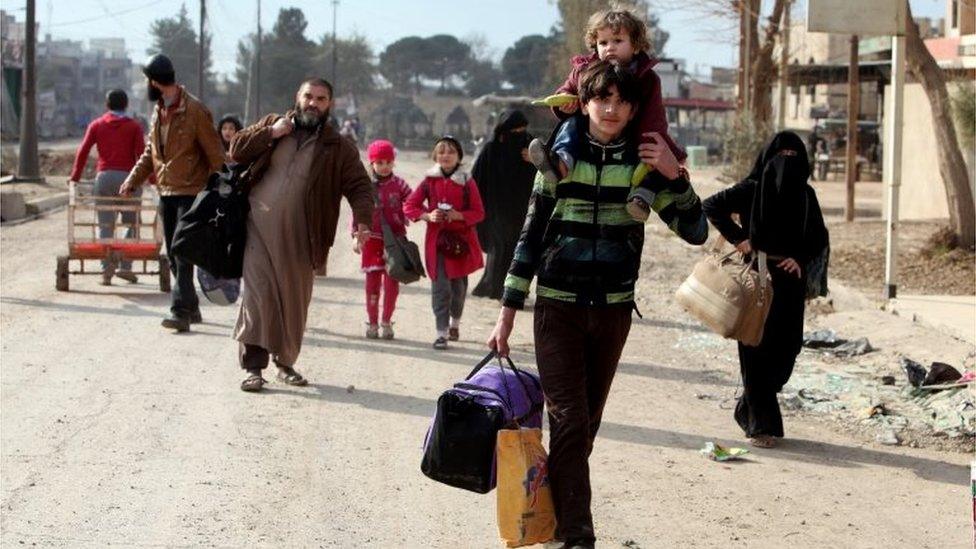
518, 374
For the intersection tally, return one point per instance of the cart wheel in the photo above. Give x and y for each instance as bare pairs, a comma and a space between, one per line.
164, 273
61, 280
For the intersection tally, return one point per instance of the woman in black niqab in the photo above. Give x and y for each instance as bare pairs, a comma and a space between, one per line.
778, 214
504, 179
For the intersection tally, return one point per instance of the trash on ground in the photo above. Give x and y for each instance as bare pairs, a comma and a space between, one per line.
815, 395
941, 373
876, 410
916, 372
853, 348
828, 342
821, 339
888, 437
717, 452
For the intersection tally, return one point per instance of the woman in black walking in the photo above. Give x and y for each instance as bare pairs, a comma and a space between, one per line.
778, 213
504, 176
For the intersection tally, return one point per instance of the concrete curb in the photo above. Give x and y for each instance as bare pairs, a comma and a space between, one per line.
39, 207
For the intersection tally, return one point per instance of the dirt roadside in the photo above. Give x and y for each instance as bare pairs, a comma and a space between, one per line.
113, 432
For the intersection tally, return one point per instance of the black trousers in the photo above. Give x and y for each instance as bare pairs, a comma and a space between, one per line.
766, 368
577, 348
183, 297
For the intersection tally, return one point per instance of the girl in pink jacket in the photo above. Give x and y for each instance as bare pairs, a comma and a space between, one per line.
389, 193
448, 200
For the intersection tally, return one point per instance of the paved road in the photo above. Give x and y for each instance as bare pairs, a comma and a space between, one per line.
115, 432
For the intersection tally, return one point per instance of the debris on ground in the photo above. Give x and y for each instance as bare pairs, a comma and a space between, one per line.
941, 373
888, 437
914, 371
888, 407
828, 342
717, 452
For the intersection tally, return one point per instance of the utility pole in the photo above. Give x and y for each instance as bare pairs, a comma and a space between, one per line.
257, 69
335, 44
28, 166
200, 51
892, 168
853, 113
784, 64
740, 100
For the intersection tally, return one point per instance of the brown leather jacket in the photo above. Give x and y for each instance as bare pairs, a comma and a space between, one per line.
191, 153
336, 171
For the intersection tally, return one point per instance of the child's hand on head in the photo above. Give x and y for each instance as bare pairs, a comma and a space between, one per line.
570, 108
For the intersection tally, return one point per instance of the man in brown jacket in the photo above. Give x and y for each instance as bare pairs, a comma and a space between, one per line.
183, 150
299, 171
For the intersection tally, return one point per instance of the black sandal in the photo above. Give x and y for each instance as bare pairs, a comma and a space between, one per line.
253, 383
287, 374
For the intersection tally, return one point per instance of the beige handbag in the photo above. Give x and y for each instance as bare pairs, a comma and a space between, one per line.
728, 296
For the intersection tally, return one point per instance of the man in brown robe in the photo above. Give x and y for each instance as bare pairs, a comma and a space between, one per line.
299, 171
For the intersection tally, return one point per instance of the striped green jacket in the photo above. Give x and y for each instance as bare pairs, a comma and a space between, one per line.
578, 238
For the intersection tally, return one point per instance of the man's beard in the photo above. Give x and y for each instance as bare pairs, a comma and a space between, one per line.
154, 93
309, 119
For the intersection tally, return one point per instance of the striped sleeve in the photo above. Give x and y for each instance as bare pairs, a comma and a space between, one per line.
679, 207
529, 249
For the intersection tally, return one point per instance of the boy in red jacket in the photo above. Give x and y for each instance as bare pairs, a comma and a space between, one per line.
620, 37
120, 141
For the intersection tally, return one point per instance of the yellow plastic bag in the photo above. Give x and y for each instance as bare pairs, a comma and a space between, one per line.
525, 512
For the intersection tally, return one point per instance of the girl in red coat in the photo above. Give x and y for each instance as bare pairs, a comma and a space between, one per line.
389, 193
448, 200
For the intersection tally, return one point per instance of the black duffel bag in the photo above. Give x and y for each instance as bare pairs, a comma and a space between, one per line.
402, 257
213, 232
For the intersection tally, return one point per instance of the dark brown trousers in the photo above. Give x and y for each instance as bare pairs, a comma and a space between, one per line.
577, 348
253, 357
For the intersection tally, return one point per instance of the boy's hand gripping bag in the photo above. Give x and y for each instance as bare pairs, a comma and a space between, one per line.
525, 511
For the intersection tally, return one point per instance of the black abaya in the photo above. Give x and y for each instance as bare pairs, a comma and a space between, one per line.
780, 215
504, 181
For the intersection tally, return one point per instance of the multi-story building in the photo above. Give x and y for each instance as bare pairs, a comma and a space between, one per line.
73, 80
12, 61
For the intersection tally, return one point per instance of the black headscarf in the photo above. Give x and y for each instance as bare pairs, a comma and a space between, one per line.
786, 218
504, 179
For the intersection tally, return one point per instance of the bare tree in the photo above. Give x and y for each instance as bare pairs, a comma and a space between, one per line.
765, 70
952, 167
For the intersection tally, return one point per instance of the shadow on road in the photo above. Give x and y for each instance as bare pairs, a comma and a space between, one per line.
666, 373
126, 309
407, 348
359, 284
670, 324
807, 451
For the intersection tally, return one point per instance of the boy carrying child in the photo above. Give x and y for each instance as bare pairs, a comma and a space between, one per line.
620, 38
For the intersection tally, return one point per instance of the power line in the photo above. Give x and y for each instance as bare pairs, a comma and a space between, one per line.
112, 14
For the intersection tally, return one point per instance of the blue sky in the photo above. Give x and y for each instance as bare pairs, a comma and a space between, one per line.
701, 40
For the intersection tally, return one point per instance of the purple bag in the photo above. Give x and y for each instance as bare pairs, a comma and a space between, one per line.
460, 446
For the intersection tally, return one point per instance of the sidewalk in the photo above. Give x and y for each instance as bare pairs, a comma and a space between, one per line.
954, 313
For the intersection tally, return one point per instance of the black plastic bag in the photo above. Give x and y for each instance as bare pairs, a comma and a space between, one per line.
213, 232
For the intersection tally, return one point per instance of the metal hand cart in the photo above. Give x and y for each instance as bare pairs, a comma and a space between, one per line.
139, 240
